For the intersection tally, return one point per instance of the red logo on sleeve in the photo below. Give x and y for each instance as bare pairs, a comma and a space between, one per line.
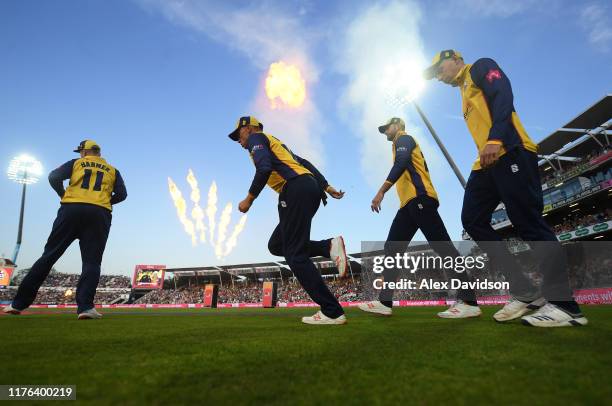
493, 74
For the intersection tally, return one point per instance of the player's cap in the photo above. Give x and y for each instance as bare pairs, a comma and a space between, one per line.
394, 120
430, 72
243, 122
87, 144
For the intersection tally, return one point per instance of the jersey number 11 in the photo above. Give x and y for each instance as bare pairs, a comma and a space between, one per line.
87, 178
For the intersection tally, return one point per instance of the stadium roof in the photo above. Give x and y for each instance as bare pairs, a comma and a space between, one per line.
253, 265
593, 117
6, 262
202, 269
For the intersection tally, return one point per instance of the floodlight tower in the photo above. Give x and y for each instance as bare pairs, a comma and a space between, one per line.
403, 83
25, 170
449, 159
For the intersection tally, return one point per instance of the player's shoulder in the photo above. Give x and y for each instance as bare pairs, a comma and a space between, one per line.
405, 140
258, 139
483, 65
484, 62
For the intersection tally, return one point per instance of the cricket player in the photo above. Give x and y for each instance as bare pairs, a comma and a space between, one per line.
418, 210
85, 214
301, 189
507, 171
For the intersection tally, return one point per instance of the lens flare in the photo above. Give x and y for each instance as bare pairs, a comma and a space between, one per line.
285, 86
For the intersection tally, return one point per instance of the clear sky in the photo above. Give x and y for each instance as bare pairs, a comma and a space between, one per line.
160, 83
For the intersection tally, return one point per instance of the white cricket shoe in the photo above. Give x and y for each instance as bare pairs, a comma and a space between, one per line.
11, 310
460, 310
376, 307
337, 253
90, 314
320, 318
515, 309
552, 316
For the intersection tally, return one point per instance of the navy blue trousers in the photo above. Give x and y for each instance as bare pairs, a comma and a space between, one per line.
315, 248
515, 181
89, 224
420, 213
297, 205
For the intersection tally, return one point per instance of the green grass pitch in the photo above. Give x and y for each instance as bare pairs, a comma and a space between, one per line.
245, 356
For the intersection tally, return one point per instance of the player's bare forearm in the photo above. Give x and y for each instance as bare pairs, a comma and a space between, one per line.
336, 194
375, 205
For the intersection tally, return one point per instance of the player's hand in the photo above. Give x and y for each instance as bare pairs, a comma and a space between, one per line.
489, 155
336, 194
377, 201
245, 205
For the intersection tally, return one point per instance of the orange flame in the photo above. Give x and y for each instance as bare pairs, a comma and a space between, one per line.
285, 85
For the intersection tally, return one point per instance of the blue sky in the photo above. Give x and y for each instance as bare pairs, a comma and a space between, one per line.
159, 84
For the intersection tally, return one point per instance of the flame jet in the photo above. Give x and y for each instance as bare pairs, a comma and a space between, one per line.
211, 210
197, 214
181, 210
226, 216
285, 86
233, 239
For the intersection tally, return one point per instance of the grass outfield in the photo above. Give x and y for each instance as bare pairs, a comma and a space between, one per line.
267, 356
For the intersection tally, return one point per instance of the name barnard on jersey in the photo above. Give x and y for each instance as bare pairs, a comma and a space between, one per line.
424, 284
88, 164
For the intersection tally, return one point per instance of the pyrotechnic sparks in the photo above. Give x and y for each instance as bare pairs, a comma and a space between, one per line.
181, 210
232, 241
222, 246
211, 210
196, 213
226, 217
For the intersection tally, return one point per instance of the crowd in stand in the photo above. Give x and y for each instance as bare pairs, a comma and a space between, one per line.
60, 288
70, 280
344, 290
574, 221
64, 295
173, 296
569, 223
595, 271
569, 166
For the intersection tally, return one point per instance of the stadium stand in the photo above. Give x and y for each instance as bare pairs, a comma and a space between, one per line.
576, 172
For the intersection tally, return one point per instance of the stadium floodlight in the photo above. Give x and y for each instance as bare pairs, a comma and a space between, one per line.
25, 170
403, 83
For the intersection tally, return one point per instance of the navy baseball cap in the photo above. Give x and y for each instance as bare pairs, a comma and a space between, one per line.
430, 72
243, 122
394, 120
87, 144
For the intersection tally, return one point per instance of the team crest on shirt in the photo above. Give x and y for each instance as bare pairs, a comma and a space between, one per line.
493, 74
468, 110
